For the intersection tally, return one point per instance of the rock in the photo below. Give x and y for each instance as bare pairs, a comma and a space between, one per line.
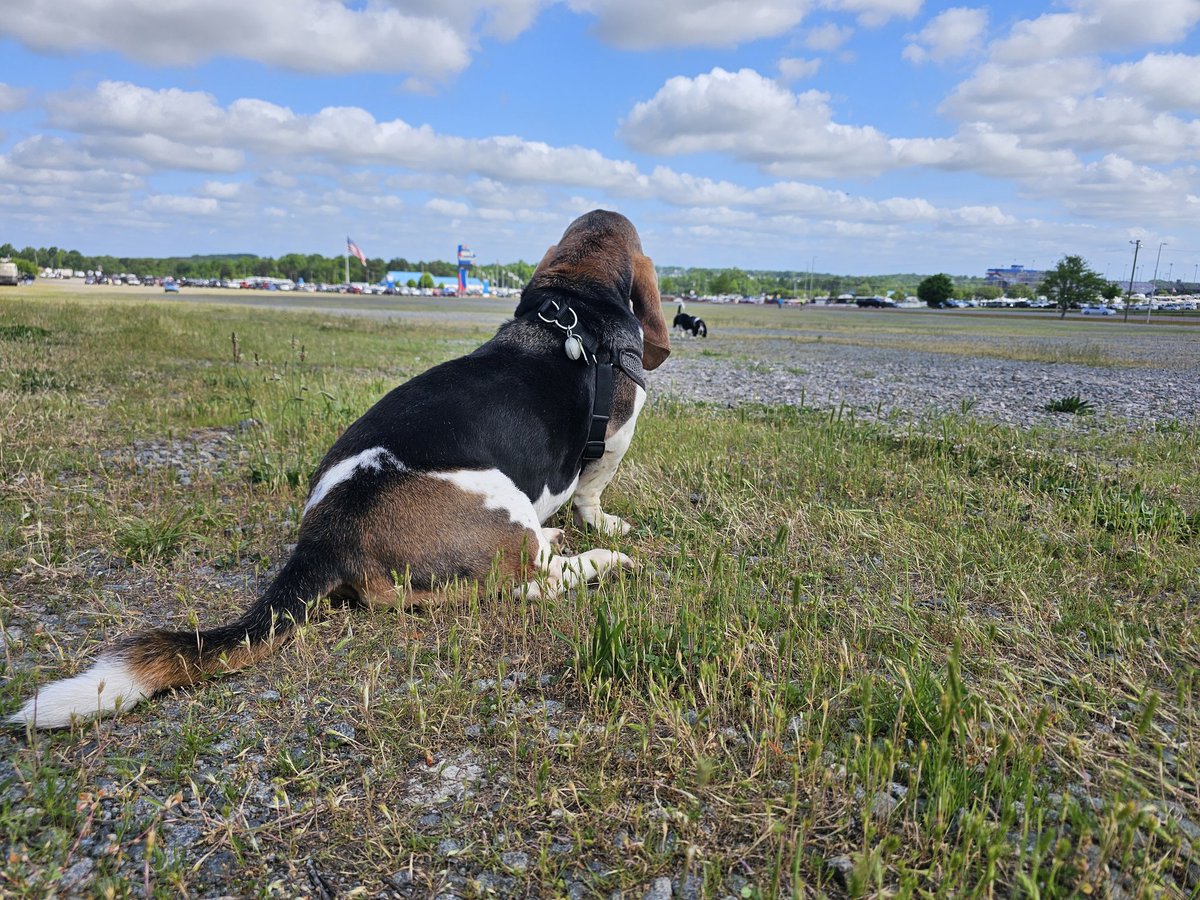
515, 859
78, 876
659, 890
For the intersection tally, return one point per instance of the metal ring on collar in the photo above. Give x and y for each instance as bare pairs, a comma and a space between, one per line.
558, 310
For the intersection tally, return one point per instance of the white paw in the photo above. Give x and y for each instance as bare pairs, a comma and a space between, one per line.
553, 536
602, 521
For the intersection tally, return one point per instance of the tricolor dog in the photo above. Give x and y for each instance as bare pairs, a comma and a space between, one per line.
686, 323
449, 473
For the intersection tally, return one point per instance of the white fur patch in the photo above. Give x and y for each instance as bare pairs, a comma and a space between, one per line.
374, 459
548, 504
107, 686
595, 478
500, 492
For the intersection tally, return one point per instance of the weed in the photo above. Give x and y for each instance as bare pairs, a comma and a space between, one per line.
1073, 404
23, 333
144, 540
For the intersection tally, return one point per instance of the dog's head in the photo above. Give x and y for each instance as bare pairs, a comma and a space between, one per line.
603, 247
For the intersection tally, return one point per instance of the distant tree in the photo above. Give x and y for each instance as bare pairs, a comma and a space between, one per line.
730, 281
1111, 290
988, 292
426, 280
25, 266
1072, 283
936, 290
1019, 291
412, 283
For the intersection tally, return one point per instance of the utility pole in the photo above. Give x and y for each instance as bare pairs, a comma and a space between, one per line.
1153, 279
1137, 245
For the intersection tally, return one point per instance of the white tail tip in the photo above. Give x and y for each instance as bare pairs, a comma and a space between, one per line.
110, 685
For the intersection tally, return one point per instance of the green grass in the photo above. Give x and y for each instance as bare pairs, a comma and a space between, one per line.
948, 659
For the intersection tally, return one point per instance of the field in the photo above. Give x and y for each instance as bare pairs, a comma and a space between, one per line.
858, 658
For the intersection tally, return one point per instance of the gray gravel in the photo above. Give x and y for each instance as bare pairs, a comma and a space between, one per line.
879, 382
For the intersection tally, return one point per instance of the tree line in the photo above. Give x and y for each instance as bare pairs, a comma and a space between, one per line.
312, 267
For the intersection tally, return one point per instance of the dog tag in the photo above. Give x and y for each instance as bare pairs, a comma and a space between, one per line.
573, 346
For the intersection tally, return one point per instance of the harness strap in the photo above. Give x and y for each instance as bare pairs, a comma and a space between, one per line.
601, 411
563, 317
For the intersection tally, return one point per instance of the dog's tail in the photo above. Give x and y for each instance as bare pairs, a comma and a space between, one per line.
682, 306
143, 664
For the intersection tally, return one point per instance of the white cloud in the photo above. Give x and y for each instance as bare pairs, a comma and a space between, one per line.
638, 25
796, 68
827, 38
12, 99
444, 207
182, 206
1096, 26
873, 13
221, 190
954, 33
1163, 81
1063, 103
757, 120
326, 36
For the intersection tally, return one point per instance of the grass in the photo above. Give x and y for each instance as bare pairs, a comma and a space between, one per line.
950, 658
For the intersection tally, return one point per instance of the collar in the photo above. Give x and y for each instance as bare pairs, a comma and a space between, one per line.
581, 343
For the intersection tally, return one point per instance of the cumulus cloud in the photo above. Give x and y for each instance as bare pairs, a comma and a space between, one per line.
827, 38
1065, 103
637, 25
1162, 80
954, 33
12, 99
1096, 26
182, 205
758, 120
796, 68
873, 13
326, 36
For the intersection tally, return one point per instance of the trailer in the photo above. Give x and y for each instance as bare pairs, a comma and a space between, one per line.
9, 274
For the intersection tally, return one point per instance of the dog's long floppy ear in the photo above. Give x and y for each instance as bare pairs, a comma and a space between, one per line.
647, 306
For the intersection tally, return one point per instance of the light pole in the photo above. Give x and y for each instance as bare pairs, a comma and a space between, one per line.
1153, 285
1137, 245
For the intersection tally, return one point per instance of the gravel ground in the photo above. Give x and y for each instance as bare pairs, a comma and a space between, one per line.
878, 382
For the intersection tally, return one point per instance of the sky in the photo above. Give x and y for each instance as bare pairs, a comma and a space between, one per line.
849, 136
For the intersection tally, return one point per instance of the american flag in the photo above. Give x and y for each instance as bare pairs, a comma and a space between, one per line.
352, 249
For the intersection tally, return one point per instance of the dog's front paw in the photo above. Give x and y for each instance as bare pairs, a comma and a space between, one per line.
601, 521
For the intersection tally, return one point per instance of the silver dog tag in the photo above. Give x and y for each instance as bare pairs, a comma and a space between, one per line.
573, 346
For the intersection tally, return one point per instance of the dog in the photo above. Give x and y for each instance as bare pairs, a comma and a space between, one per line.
448, 477
686, 323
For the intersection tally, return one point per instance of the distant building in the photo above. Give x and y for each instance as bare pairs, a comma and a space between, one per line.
442, 282
1009, 275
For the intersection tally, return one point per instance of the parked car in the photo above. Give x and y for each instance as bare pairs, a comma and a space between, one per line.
1098, 311
170, 287
875, 303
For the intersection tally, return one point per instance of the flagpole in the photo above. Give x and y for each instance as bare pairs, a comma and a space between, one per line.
347, 265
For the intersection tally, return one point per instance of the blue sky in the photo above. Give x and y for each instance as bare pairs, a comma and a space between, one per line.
871, 135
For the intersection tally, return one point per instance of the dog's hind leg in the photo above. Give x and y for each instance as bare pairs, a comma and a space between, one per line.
597, 474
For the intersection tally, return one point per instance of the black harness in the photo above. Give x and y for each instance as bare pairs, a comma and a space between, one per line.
582, 345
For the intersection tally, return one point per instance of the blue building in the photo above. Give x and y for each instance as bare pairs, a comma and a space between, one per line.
440, 282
